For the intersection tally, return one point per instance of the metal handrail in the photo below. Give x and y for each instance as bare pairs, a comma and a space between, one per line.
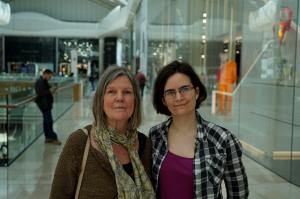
30, 99
215, 92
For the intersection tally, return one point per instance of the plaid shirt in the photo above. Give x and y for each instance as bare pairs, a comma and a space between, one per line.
218, 156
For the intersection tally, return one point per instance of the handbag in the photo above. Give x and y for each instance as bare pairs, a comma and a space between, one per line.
83, 163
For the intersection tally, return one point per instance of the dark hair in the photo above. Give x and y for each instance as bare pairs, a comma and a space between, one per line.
110, 74
164, 74
47, 71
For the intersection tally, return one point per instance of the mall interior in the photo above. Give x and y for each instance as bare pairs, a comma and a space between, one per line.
245, 52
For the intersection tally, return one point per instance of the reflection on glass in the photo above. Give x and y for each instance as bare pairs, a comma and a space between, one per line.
261, 38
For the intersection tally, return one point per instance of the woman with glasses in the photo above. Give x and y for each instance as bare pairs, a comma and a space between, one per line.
191, 156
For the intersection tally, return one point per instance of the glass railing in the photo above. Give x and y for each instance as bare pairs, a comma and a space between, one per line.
21, 121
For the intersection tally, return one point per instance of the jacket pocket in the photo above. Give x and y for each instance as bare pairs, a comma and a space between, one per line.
215, 165
42, 103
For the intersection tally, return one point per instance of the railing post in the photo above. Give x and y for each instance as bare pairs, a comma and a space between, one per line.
213, 102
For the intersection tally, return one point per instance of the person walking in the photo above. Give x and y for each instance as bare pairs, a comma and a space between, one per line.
191, 156
92, 79
141, 79
44, 101
92, 75
118, 162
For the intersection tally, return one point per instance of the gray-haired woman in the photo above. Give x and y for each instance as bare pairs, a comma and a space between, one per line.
119, 159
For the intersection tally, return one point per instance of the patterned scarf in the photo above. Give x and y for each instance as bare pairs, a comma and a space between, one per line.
140, 187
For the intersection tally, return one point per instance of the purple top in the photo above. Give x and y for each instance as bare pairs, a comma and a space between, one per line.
176, 177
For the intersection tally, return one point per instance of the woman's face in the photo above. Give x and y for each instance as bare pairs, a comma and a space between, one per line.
179, 95
119, 101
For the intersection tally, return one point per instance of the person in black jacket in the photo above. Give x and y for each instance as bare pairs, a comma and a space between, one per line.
44, 101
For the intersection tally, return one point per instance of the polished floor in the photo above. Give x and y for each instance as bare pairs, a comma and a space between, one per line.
30, 176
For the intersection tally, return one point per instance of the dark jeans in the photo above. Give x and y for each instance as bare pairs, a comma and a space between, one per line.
92, 85
142, 90
48, 124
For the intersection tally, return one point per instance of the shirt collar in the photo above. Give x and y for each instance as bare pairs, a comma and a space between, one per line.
165, 128
201, 128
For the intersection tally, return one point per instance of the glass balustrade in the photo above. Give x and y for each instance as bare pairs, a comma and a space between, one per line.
21, 122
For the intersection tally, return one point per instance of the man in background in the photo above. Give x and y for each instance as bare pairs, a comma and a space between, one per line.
141, 80
44, 101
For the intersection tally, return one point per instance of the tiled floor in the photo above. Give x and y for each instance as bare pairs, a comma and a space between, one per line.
30, 176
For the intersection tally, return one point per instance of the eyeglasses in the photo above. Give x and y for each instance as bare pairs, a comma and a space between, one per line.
171, 93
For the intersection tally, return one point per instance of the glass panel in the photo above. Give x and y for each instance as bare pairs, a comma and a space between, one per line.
261, 38
15, 134
62, 100
175, 33
3, 132
22, 124
295, 174
1, 55
267, 94
23, 127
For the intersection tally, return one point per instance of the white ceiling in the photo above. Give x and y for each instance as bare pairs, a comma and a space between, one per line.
67, 10
69, 18
175, 12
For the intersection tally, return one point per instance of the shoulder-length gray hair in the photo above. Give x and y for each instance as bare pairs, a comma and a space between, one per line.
110, 74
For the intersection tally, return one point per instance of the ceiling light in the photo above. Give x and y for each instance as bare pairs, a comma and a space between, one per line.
4, 13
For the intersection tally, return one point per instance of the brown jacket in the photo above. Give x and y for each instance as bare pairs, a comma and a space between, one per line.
98, 181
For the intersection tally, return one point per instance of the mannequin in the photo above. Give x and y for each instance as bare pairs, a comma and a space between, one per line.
226, 77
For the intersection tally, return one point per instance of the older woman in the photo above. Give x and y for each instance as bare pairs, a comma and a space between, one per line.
191, 156
118, 161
